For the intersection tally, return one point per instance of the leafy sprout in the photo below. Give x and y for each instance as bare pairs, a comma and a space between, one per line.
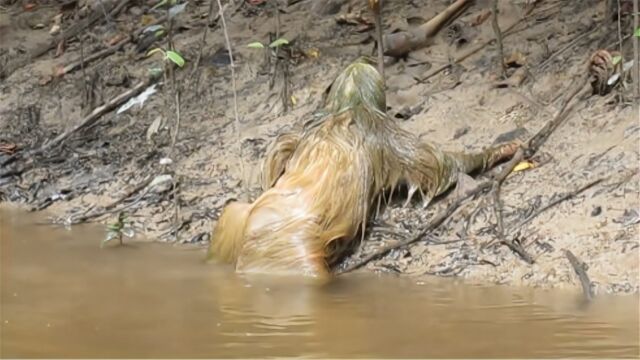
171, 55
122, 227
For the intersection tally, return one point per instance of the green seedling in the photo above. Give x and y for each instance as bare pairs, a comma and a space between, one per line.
171, 55
122, 227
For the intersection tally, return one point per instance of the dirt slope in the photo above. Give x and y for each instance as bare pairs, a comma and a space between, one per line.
460, 109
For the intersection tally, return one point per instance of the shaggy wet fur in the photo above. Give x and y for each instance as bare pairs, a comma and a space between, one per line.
321, 184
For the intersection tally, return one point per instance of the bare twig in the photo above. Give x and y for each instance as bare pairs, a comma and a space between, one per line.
110, 208
514, 246
78, 27
376, 7
80, 63
84, 123
543, 134
235, 96
498, 34
203, 41
555, 202
581, 270
543, 65
436, 71
636, 56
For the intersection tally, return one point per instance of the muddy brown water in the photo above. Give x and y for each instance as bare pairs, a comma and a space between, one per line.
64, 296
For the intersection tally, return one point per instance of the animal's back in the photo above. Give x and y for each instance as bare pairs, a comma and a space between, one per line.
290, 225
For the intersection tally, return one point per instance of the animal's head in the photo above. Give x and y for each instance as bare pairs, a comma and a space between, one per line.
360, 84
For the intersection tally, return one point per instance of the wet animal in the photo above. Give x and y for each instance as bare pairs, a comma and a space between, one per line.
322, 184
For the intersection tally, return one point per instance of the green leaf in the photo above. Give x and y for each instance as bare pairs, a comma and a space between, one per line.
256, 45
637, 33
616, 59
153, 51
175, 57
161, 3
279, 42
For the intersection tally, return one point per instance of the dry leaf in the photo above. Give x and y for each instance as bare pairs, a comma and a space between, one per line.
312, 53
482, 17
524, 165
59, 49
115, 39
147, 20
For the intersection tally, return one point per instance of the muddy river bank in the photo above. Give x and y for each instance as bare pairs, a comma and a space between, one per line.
103, 167
64, 296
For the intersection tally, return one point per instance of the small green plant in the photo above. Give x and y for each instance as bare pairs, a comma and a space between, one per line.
170, 55
163, 3
637, 33
122, 227
275, 44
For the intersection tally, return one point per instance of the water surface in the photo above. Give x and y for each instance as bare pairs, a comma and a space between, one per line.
64, 296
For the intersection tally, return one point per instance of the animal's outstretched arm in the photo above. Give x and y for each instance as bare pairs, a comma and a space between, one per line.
432, 171
277, 157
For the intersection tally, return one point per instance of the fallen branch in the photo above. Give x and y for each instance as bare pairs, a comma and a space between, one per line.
401, 43
513, 245
498, 34
517, 248
105, 52
82, 62
507, 31
543, 134
108, 209
581, 270
555, 202
543, 65
80, 26
85, 122
235, 95
376, 8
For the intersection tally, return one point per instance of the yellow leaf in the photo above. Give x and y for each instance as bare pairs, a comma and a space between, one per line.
147, 20
313, 53
524, 165
293, 100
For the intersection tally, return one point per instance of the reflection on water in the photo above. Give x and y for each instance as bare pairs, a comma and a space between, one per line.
63, 296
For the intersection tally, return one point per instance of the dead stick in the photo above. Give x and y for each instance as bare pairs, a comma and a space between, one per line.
78, 27
95, 56
561, 199
498, 33
86, 121
401, 43
514, 246
543, 134
376, 8
472, 51
581, 270
109, 208
636, 56
108, 51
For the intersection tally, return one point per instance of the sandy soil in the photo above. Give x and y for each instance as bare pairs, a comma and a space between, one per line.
459, 109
